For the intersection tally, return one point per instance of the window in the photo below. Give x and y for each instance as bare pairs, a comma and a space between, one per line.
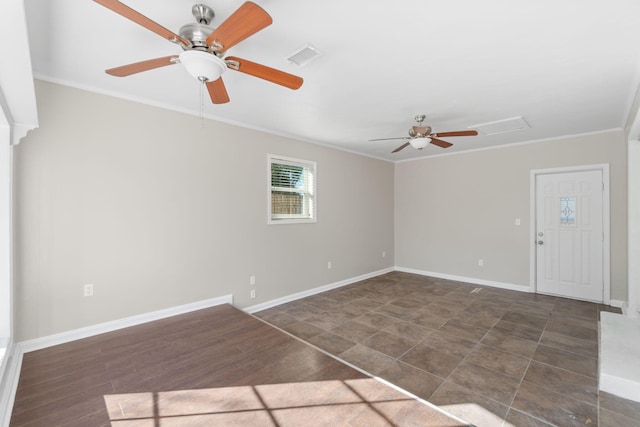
567, 211
292, 190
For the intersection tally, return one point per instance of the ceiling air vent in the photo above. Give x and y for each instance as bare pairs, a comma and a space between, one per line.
501, 126
303, 56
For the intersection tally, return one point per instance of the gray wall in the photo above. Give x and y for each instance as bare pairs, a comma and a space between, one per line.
156, 211
453, 210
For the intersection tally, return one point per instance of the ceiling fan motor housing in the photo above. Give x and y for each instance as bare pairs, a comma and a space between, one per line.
198, 31
419, 131
197, 34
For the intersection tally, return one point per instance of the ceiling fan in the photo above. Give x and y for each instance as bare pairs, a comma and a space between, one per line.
204, 47
420, 136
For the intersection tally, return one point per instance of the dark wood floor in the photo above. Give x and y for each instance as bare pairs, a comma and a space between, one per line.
491, 356
217, 366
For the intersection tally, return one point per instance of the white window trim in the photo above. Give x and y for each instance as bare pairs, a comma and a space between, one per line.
274, 158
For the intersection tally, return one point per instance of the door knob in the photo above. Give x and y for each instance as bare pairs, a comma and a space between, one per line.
540, 242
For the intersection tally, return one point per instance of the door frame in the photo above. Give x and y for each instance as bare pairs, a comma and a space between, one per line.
606, 226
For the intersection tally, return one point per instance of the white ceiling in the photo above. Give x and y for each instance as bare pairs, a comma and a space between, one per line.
566, 66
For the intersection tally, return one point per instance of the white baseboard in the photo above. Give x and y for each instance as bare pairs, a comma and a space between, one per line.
472, 280
9, 374
265, 305
89, 331
621, 387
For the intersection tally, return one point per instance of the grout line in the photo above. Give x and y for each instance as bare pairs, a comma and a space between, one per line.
530, 360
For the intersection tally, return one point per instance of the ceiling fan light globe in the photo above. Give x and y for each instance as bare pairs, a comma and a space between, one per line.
202, 65
419, 143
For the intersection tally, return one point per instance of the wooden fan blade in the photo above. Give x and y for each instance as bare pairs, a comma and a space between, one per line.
150, 64
244, 22
440, 143
458, 133
388, 139
401, 147
266, 73
140, 19
218, 91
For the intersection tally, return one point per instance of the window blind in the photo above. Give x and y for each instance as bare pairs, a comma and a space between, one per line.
292, 189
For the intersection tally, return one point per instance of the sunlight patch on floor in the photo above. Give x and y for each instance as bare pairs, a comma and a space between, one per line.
475, 413
361, 401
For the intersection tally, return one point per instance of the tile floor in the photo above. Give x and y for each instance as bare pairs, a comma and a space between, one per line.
212, 367
493, 357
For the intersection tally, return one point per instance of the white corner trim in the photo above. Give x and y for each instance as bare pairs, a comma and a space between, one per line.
20, 130
493, 284
618, 304
64, 337
265, 305
9, 374
626, 308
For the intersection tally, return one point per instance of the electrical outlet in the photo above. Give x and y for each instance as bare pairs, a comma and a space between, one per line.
252, 294
252, 280
517, 221
88, 290
384, 254
329, 265
480, 263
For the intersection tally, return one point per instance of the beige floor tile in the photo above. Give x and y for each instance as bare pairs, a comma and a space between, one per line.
565, 382
486, 382
367, 358
588, 348
412, 379
620, 405
553, 407
390, 344
433, 361
508, 364
565, 360
509, 344
469, 406
331, 343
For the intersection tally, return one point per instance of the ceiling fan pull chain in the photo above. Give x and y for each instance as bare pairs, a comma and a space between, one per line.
202, 83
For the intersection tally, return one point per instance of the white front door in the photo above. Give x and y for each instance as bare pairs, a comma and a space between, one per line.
570, 234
